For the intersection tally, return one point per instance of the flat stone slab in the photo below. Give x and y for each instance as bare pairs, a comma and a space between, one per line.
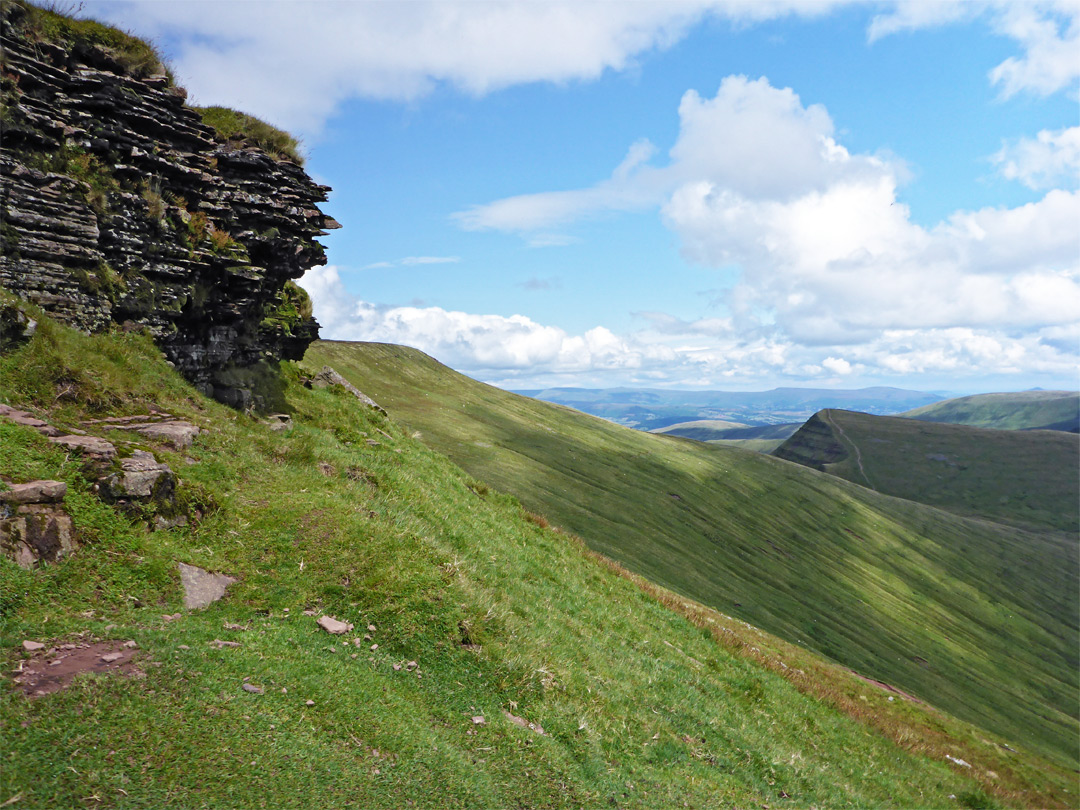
177, 433
35, 492
91, 445
202, 588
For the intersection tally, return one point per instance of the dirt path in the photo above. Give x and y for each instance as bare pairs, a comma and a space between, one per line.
853, 446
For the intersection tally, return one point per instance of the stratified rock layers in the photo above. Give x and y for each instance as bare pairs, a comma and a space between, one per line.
120, 206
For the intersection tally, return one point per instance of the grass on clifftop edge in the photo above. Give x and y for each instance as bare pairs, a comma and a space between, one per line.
645, 699
52, 22
232, 124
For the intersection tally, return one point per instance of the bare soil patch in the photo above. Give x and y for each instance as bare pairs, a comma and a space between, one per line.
55, 667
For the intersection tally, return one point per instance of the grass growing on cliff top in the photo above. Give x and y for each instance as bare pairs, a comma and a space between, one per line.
641, 705
53, 23
976, 618
233, 124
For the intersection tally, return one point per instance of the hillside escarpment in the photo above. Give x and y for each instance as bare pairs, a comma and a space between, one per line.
814, 445
120, 206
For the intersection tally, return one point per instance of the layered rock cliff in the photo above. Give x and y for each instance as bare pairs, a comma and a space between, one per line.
120, 206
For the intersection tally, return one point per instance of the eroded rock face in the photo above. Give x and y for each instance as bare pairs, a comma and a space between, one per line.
119, 205
34, 528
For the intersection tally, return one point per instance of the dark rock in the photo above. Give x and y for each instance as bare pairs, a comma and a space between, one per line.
120, 206
16, 327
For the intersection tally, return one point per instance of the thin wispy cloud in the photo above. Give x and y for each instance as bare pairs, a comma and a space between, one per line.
412, 261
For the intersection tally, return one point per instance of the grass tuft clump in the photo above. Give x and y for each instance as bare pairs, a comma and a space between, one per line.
53, 23
235, 125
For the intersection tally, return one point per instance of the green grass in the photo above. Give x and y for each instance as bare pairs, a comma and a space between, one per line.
53, 23
647, 700
976, 618
1026, 477
235, 125
1021, 410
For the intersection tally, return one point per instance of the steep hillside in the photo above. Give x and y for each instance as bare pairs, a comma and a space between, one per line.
1021, 410
1023, 477
976, 618
493, 662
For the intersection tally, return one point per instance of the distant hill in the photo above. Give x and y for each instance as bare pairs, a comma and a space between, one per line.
649, 409
976, 617
760, 438
1021, 410
1021, 477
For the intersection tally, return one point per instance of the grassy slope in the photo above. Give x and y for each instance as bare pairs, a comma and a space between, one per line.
1026, 477
976, 618
1022, 410
643, 705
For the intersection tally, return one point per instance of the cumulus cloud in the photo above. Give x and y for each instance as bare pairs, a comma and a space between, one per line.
752, 138
830, 258
1051, 158
517, 351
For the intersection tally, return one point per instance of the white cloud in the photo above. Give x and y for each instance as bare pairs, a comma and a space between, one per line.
1049, 159
517, 351
412, 261
752, 138
1047, 31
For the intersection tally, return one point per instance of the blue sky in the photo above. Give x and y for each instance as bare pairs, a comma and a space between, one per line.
708, 195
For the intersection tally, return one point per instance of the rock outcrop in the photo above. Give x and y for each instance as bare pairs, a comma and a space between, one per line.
119, 205
34, 527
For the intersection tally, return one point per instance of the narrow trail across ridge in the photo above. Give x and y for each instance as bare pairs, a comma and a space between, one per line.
855, 447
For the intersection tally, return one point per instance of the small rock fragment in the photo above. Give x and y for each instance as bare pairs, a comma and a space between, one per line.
334, 626
397, 667
108, 658
217, 642
371, 628
131, 644
374, 647
479, 720
31, 646
255, 690
309, 702
411, 665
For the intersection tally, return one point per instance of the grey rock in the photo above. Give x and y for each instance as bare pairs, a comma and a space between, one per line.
141, 477
332, 625
36, 534
93, 446
32, 646
202, 588
327, 377
255, 690
35, 492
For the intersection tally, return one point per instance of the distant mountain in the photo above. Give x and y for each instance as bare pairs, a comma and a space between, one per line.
649, 409
1019, 477
760, 438
1021, 410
